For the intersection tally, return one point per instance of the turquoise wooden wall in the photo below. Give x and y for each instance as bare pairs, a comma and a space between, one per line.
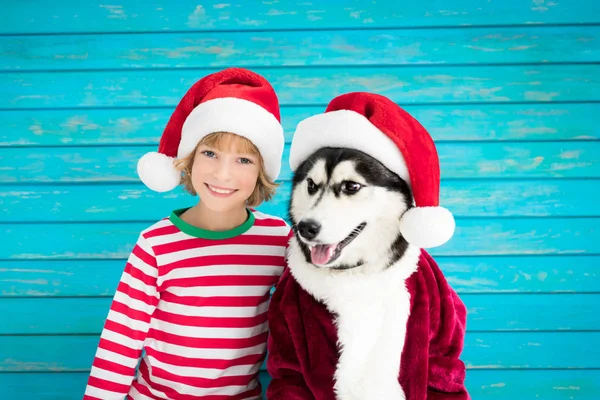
509, 89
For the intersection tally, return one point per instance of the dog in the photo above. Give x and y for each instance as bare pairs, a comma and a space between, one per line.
346, 208
348, 251
362, 311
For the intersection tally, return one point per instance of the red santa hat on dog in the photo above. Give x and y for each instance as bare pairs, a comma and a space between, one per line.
378, 127
234, 100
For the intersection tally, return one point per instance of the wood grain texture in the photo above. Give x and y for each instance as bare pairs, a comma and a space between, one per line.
509, 90
473, 236
469, 275
188, 15
483, 350
522, 274
132, 126
311, 86
488, 313
503, 45
457, 160
135, 202
482, 384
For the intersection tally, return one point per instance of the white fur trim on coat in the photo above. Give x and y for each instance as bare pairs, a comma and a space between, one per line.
372, 313
239, 116
347, 129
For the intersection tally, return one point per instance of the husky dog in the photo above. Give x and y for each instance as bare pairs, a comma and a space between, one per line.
348, 251
363, 312
346, 208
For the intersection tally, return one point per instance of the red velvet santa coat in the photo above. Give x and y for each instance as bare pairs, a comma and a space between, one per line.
304, 351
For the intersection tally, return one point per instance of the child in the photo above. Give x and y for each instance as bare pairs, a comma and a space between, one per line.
195, 290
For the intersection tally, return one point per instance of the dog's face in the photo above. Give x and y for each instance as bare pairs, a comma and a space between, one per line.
346, 209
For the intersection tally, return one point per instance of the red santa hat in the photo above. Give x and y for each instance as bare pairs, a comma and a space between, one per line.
378, 127
234, 100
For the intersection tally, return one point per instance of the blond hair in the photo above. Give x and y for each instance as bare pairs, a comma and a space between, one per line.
265, 187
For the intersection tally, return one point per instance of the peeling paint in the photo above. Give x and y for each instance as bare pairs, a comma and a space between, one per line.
276, 13
570, 388
26, 281
197, 19
540, 96
114, 11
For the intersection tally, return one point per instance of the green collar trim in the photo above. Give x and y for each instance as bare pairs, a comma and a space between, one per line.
192, 230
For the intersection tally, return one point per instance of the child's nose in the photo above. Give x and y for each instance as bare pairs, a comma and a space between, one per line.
223, 171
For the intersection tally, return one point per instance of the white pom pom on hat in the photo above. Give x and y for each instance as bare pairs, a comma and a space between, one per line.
158, 172
234, 100
378, 127
427, 226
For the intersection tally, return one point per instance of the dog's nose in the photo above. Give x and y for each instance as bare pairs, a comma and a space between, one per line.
309, 229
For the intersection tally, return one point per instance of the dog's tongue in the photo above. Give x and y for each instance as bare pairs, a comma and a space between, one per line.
321, 254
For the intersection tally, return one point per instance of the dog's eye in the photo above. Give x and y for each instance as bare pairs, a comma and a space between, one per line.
312, 186
350, 187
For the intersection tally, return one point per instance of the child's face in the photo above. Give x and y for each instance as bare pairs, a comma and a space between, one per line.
224, 178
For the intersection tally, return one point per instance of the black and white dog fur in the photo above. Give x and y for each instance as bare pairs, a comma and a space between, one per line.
348, 252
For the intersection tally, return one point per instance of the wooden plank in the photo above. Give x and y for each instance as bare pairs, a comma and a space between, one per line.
310, 86
524, 350
481, 384
515, 236
135, 202
473, 236
60, 386
486, 312
512, 198
128, 202
189, 15
530, 274
493, 122
457, 160
483, 350
533, 384
45, 385
529, 312
60, 278
486, 274
501, 45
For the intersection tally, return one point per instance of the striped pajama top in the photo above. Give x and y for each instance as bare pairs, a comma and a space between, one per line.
194, 302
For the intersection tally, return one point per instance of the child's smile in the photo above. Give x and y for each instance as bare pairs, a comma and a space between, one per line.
220, 191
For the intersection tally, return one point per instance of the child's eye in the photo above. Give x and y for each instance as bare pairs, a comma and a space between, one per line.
209, 153
245, 160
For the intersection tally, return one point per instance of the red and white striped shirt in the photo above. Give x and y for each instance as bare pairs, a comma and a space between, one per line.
195, 302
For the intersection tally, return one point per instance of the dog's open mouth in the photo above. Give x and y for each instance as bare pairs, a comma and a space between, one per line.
323, 254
